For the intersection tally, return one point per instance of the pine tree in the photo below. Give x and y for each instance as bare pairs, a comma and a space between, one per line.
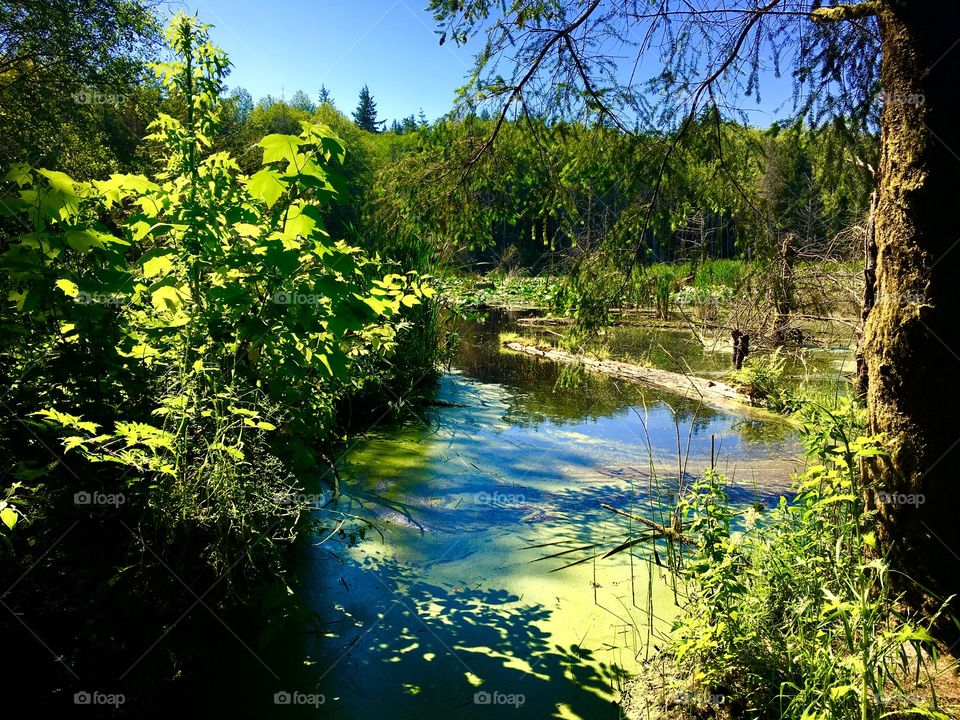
365, 116
324, 95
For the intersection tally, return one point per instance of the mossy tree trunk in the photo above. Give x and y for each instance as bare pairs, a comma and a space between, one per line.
912, 334
869, 295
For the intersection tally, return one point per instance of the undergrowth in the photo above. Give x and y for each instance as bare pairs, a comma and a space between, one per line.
792, 616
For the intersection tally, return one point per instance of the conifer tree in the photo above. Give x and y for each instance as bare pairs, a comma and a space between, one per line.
365, 116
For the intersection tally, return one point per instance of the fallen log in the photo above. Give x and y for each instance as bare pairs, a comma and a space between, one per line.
712, 393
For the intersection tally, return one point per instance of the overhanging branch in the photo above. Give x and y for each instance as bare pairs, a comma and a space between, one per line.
839, 13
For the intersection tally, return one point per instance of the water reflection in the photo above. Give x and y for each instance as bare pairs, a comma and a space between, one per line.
459, 598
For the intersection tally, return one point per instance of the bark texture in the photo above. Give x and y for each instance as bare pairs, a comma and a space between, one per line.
912, 334
869, 294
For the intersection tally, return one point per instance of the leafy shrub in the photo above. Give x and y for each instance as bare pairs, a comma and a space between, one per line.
188, 335
793, 616
763, 379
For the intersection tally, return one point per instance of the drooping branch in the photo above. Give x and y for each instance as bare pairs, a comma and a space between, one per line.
704, 87
531, 71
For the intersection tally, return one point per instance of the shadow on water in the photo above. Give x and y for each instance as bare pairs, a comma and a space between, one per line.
461, 594
418, 646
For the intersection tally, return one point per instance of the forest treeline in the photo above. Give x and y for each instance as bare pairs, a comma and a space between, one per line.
546, 190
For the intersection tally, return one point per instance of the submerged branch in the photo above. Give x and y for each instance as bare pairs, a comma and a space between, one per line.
667, 532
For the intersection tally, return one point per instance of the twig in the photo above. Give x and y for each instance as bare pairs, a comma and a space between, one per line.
666, 531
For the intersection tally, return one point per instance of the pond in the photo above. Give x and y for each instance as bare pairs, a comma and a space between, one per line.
457, 602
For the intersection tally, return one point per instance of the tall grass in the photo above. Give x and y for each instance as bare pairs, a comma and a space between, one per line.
792, 616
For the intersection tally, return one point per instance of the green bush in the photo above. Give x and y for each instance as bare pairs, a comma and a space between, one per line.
188, 336
763, 379
792, 616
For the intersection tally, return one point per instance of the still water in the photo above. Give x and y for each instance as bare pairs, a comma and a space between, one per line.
456, 603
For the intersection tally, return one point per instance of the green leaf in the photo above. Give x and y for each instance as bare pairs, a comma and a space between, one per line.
247, 230
301, 221
9, 517
167, 297
841, 691
266, 185
18, 173
60, 181
280, 147
69, 287
83, 240
378, 307
157, 265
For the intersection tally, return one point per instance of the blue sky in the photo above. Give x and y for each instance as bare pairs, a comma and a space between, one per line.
281, 46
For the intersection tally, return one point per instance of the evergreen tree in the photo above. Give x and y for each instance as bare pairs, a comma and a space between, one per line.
365, 116
324, 95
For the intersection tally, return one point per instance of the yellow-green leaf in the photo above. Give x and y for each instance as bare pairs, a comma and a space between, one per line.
266, 185
69, 287
167, 297
9, 517
157, 265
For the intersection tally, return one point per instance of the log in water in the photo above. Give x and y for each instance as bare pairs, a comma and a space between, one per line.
711, 392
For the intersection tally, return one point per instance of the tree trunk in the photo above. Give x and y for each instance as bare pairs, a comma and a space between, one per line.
912, 335
869, 295
783, 289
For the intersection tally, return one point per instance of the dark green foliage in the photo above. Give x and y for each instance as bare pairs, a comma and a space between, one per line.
72, 91
558, 192
365, 116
